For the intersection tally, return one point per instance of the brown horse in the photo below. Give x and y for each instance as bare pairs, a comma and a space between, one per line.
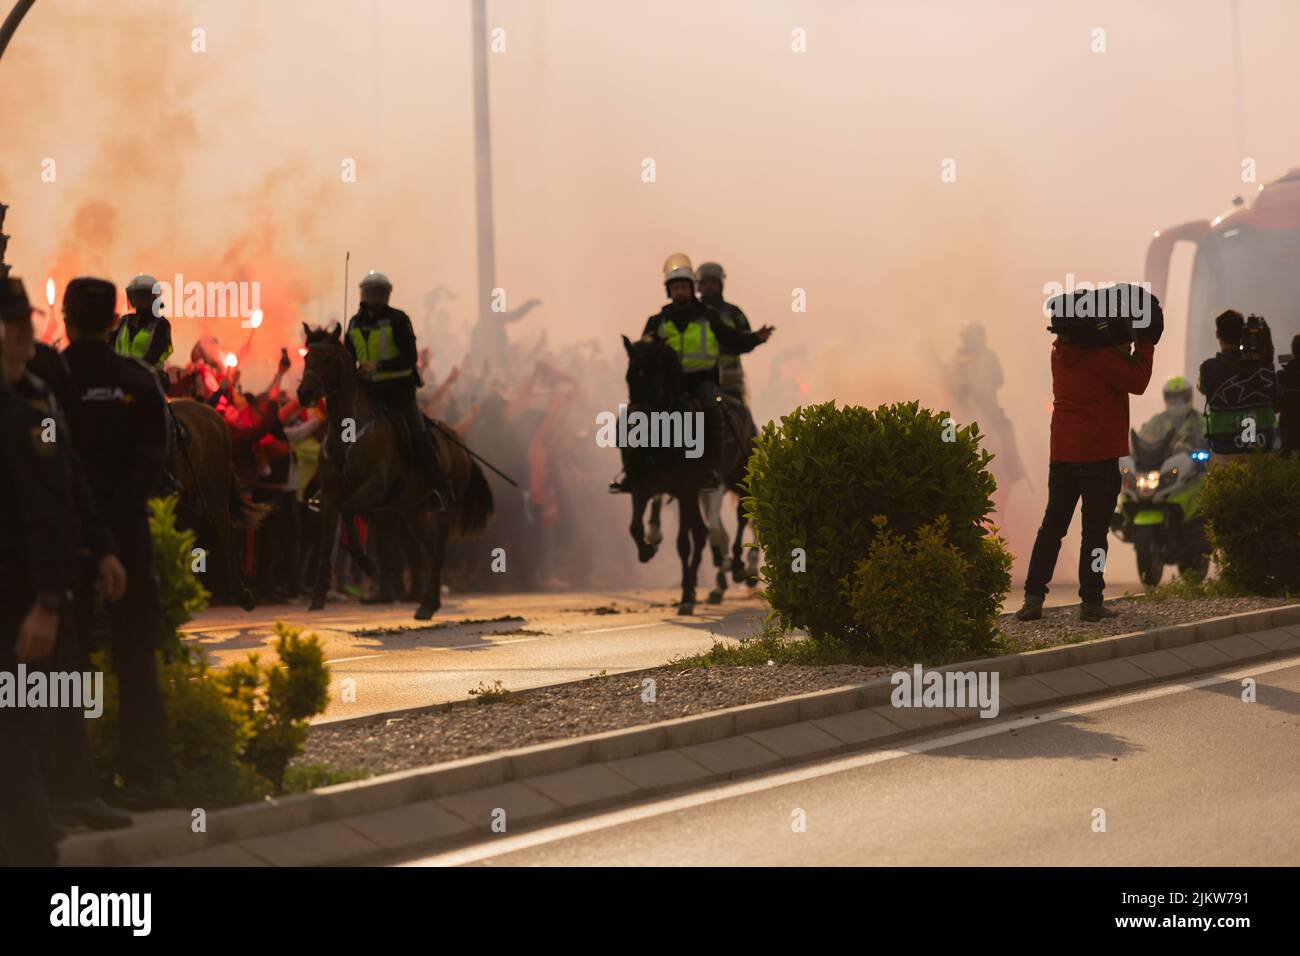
210, 499
363, 469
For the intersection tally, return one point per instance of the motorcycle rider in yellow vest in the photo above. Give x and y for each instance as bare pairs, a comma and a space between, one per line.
382, 341
698, 334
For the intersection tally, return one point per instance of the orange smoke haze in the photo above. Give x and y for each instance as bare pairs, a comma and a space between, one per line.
818, 171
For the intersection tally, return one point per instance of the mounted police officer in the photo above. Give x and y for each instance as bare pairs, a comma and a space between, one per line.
143, 333
710, 278
698, 334
119, 429
382, 341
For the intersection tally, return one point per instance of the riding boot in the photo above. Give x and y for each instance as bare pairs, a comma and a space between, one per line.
427, 458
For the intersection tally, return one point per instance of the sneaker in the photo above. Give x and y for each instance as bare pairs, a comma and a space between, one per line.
1095, 611
1032, 609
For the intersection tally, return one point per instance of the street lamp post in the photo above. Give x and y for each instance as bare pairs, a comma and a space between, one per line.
7, 30
483, 171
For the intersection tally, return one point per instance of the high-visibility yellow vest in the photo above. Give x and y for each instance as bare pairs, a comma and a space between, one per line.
137, 345
376, 344
696, 345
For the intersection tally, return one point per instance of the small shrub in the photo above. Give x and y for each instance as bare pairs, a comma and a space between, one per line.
919, 598
232, 733
1252, 513
275, 702
819, 477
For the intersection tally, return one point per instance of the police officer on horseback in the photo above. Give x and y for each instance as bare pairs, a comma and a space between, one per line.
709, 279
382, 341
144, 333
699, 336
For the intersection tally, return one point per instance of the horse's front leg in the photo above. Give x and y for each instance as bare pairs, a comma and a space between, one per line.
692, 535
738, 546
644, 550
329, 529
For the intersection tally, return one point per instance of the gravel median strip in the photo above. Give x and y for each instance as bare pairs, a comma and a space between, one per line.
554, 713
603, 703
1061, 625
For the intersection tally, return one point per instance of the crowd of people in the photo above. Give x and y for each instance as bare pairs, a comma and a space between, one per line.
525, 407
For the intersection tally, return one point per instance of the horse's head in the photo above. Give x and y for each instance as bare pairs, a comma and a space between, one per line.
323, 368
653, 372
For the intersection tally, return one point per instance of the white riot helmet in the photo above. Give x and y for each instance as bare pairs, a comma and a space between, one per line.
144, 293
375, 288
375, 280
711, 270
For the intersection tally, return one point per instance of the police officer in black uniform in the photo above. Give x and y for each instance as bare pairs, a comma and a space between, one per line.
70, 779
38, 543
119, 427
710, 279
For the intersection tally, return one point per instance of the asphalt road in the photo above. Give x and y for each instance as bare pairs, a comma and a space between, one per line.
547, 639
1185, 774
550, 638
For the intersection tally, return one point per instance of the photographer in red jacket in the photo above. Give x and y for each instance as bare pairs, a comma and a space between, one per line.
1105, 343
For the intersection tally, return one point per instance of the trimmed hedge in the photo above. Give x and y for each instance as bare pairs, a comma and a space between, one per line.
1251, 505
818, 481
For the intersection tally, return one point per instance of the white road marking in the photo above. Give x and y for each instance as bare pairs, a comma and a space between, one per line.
564, 831
625, 627
450, 647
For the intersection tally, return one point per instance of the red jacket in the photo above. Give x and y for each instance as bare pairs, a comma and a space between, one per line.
1090, 389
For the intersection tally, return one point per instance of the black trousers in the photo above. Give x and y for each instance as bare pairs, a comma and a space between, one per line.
1097, 483
704, 387
399, 395
134, 628
27, 830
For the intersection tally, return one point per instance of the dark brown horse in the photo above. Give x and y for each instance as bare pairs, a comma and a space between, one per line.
654, 374
363, 469
210, 500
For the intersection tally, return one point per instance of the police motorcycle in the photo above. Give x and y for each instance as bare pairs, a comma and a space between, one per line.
1159, 507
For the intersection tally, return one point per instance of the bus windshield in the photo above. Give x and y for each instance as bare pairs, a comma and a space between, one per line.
1250, 270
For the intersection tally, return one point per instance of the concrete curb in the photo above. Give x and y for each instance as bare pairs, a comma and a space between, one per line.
431, 807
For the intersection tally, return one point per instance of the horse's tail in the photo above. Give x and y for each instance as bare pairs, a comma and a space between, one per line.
475, 505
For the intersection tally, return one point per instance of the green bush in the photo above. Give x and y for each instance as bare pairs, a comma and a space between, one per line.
181, 592
275, 703
231, 733
817, 480
920, 599
1251, 505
